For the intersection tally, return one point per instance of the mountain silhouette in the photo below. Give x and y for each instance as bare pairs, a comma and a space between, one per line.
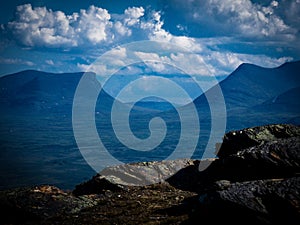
255, 95
35, 93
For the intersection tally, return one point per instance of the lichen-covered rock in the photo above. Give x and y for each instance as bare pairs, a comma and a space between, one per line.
40, 203
134, 174
235, 141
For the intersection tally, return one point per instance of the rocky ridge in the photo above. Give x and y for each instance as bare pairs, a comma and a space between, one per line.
254, 180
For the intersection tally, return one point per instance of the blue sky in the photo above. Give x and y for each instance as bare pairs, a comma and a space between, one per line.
67, 36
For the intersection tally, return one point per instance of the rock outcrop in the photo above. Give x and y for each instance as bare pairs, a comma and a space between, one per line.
235, 141
135, 174
254, 180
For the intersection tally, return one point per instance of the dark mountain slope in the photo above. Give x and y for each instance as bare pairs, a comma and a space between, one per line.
31, 91
255, 96
250, 85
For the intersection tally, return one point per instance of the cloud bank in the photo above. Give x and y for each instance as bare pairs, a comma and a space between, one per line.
260, 20
94, 31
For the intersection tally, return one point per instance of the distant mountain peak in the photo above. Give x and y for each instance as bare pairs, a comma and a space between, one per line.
39, 72
250, 84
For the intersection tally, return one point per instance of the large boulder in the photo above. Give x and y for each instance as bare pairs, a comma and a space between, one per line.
271, 201
235, 141
273, 159
256, 178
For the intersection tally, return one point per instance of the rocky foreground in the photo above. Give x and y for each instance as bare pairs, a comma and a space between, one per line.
254, 180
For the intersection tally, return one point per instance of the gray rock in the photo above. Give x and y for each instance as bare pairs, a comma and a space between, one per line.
145, 173
280, 153
222, 184
235, 141
134, 174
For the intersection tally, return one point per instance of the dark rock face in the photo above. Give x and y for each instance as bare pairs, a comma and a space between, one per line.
255, 180
280, 154
235, 141
260, 195
273, 159
271, 201
97, 185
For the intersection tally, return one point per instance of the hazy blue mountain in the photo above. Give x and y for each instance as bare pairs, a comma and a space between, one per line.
284, 108
256, 95
34, 91
250, 85
286, 102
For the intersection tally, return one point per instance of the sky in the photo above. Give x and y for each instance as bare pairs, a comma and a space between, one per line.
218, 35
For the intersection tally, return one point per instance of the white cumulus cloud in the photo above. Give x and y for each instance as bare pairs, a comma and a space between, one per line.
42, 27
239, 18
133, 15
92, 24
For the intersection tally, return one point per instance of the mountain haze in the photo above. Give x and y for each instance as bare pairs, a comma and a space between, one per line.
36, 134
250, 85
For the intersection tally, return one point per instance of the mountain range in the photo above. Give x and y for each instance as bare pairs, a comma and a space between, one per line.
36, 136
249, 86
